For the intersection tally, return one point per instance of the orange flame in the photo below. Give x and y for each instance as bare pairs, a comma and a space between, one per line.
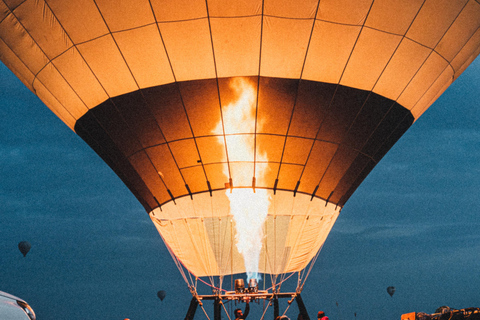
248, 207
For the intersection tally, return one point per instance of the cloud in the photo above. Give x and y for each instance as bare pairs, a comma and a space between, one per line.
379, 231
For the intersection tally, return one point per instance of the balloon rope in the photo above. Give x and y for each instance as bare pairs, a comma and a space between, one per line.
302, 273
202, 248
194, 243
178, 262
226, 312
213, 286
279, 283
204, 311
265, 311
180, 268
312, 263
286, 309
175, 259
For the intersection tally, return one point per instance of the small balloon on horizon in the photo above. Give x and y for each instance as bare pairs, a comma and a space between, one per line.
24, 247
391, 291
161, 294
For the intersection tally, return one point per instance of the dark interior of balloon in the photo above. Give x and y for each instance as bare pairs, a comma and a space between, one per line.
321, 139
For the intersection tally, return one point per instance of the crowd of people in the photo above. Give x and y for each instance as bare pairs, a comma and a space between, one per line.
240, 315
320, 316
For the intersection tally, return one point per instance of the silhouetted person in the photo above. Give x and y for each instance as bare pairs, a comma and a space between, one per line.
239, 314
321, 316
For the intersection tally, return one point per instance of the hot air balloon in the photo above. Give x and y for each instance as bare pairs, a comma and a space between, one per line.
242, 128
161, 294
391, 291
24, 247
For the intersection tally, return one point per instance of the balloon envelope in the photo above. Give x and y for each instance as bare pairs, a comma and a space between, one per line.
391, 290
147, 84
161, 294
24, 247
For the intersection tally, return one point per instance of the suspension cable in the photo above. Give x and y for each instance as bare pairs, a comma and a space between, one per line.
204, 311
265, 311
226, 312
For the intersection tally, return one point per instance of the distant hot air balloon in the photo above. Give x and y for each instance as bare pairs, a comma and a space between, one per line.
242, 128
391, 290
161, 294
24, 247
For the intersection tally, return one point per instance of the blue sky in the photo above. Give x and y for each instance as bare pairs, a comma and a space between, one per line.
412, 224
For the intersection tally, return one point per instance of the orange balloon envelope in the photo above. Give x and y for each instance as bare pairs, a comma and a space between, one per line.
242, 128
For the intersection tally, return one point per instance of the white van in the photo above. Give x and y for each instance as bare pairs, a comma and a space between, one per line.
14, 308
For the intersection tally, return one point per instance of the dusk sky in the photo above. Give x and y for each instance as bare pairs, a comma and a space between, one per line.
414, 223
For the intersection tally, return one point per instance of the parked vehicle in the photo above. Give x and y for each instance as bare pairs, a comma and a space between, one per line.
14, 308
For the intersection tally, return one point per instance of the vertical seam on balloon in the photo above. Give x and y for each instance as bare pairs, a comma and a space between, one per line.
205, 246
314, 260
6, 16
454, 71
299, 234
94, 75
197, 250
18, 5
229, 253
215, 261
400, 122
23, 63
265, 246
394, 102
73, 46
50, 61
143, 97
225, 254
328, 110
391, 57
386, 113
267, 262
368, 97
258, 90
431, 51
201, 250
219, 104
41, 69
177, 84
218, 90
285, 262
296, 95
230, 218
303, 272
446, 67
180, 264
222, 235
274, 269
